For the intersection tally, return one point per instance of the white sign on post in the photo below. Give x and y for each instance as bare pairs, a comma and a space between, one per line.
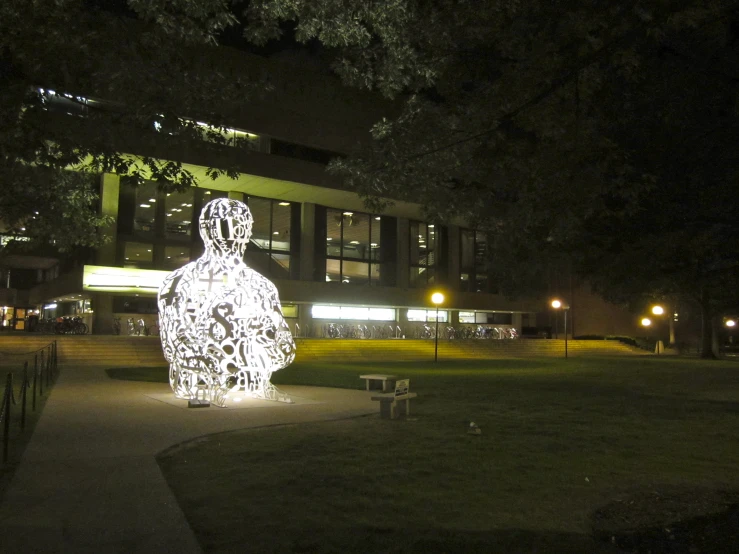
401, 387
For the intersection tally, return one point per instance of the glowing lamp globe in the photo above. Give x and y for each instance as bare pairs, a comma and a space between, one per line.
646, 322
658, 310
437, 298
556, 304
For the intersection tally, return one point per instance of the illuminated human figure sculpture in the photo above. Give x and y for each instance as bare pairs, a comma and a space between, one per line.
221, 323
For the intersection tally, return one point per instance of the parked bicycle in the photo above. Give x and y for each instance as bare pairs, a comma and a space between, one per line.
68, 325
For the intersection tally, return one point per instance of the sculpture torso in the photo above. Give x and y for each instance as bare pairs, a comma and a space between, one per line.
220, 321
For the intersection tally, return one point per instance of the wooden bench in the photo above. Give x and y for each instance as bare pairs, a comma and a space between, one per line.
377, 381
396, 403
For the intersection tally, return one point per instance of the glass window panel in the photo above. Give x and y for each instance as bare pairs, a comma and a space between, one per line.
431, 236
333, 271
416, 315
138, 254
356, 273
350, 312
418, 277
351, 237
178, 208
375, 238
146, 208
290, 310
279, 267
467, 250
481, 251
427, 315
209, 195
333, 232
464, 282
431, 316
326, 312
356, 236
176, 256
333, 248
416, 239
466, 317
261, 231
281, 220
481, 283
430, 275
375, 274
382, 314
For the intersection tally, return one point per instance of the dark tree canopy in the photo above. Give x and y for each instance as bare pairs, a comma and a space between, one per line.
600, 137
121, 76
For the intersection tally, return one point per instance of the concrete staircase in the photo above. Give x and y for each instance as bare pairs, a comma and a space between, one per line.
107, 350
121, 351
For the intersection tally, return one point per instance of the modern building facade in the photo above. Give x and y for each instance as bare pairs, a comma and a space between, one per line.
339, 268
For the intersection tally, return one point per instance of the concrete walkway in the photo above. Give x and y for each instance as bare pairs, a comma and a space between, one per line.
89, 482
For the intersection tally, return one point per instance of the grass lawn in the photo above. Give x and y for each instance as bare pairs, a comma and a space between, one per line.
580, 455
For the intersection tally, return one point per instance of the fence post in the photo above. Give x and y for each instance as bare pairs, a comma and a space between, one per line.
35, 374
24, 387
6, 421
48, 369
41, 375
56, 360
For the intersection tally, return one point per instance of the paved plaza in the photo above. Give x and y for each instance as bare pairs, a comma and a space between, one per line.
88, 481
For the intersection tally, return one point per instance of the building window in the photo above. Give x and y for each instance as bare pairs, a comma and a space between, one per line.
179, 212
236, 138
269, 248
290, 310
427, 315
176, 256
138, 254
423, 254
352, 247
145, 209
473, 250
497, 318
352, 313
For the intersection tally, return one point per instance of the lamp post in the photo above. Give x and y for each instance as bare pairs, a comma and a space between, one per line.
559, 305
437, 298
646, 322
659, 310
730, 325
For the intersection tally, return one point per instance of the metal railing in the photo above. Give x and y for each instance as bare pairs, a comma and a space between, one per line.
45, 370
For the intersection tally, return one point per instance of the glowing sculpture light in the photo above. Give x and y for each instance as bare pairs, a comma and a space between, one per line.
221, 323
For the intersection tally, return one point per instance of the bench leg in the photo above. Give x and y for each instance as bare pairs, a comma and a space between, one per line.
387, 410
404, 407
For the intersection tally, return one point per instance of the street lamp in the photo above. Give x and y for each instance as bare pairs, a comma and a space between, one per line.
437, 298
664, 311
646, 322
559, 305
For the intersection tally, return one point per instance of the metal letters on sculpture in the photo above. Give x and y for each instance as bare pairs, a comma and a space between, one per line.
221, 323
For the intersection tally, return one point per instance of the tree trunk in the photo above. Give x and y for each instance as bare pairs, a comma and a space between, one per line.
715, 347
707, 324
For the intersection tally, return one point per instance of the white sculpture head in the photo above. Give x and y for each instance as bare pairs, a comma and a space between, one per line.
225, 227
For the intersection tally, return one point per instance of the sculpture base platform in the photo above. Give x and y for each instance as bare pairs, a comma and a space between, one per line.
198, 403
